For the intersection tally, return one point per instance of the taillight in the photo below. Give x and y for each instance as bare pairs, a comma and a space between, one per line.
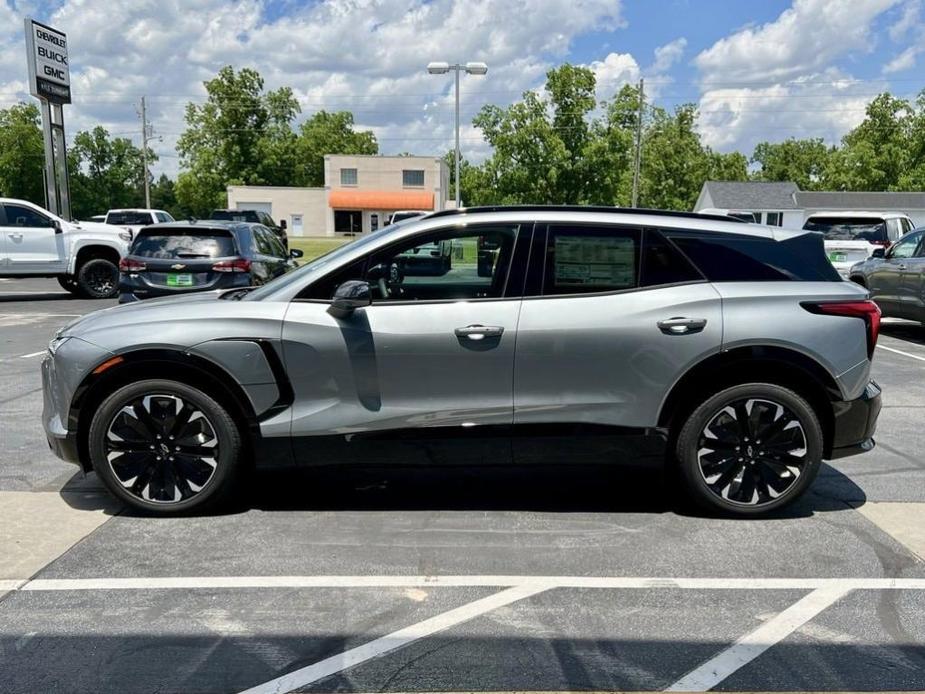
237, 265
882, 242
866, 310
130, 265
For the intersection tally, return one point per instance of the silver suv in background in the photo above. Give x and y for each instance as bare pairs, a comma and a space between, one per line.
851, 237
732, 353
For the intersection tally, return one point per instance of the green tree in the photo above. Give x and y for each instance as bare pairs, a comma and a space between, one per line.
327, 133
105, 173
802, 161
164, 196
22, 154
240, 135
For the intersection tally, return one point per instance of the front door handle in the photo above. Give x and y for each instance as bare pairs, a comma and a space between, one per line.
682, 326
902, 266
479, 332
16, 237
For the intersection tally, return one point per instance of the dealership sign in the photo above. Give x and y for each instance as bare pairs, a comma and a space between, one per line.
46, 53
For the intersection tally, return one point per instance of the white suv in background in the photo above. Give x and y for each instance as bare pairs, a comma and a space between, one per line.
134, 219
852, 237
83, 256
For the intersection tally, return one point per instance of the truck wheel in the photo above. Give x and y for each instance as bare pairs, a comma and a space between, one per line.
68, 282
98, 278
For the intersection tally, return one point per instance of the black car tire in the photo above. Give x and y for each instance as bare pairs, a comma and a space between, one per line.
217, 489
98, 278
68, 283
751, 459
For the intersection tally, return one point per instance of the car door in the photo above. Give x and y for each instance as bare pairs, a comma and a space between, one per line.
886, 278
33, 243
612, 316
422, 375
912, 292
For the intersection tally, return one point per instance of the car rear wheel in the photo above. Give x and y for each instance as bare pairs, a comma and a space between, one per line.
750, 449
165, 448
98, 279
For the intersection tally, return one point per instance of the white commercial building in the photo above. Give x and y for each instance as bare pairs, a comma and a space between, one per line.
784, 204
360, 193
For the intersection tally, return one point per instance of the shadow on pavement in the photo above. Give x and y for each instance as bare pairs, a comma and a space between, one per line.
554, 489
906, 330
45, 296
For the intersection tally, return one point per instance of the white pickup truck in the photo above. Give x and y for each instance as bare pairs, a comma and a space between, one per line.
83, 256
136, 218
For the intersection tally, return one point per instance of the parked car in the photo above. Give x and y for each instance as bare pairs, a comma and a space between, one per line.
99, 218
82, 256
404, 215
170, 259
132, 220
253, 217
731, 352
851, 237
895, 277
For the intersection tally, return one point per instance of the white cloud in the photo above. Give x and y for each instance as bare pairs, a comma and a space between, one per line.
367, 56
823, 105
613, 72
903, 61
908, 20
669, 54
808, 36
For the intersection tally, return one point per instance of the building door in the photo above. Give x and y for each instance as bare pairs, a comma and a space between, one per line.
297, 225
348, 221
374, 222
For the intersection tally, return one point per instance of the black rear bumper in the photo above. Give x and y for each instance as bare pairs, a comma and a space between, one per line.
855, 422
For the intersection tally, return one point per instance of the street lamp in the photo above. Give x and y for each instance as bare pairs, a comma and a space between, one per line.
441, 68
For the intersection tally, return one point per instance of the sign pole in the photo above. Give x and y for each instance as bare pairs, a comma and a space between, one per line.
51, 190
64, 189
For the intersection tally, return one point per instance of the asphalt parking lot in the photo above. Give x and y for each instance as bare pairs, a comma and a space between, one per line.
457, 580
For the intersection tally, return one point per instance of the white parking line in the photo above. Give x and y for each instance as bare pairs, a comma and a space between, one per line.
390, 642
750, 646
612, 582
899, 351
33, 354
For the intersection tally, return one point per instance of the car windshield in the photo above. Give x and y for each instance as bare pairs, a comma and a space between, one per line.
184, 244
848, 228
235, 215
304, 271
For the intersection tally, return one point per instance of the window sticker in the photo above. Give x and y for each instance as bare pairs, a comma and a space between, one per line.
595, 261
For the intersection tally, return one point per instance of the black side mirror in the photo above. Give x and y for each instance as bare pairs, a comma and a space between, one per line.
348, 297
57, 225
296, 253
878, 253
282, 224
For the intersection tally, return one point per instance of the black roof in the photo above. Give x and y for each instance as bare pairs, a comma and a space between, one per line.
582, 208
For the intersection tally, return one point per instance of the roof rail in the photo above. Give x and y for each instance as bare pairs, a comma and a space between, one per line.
582, 208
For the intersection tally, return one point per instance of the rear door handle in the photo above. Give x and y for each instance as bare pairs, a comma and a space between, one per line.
479, 332
682, 326
902, 266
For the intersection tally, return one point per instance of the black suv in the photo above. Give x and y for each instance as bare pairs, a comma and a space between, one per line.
181, 257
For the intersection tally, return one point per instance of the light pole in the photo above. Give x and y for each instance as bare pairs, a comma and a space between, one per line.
468, 68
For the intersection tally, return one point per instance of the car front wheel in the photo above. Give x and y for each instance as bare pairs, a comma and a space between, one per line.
750, 449
165, 448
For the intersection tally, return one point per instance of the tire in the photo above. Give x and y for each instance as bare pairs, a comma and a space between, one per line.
723, 463
68, 282
98, 278
130, 442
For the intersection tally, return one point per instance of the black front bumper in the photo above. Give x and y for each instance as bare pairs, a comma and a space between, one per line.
855, 422
135, 288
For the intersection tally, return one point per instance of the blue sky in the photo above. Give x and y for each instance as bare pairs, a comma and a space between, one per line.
758, 69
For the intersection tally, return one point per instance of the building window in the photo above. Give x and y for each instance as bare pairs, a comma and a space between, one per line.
775, 219
412, 178
348, 177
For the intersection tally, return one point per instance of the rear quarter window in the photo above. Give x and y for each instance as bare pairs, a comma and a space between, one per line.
184, 244
740, 258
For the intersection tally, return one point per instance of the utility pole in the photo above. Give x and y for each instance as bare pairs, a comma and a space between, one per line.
145, 134
636, 162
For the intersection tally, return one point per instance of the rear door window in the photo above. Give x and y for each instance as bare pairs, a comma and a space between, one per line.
867, 229
185, 244
725, 257
663, 263
590, 258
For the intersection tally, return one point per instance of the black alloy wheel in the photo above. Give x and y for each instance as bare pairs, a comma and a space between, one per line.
750, 449
98, 279
164, 447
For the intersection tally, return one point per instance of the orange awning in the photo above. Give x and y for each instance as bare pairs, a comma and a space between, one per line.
380, 200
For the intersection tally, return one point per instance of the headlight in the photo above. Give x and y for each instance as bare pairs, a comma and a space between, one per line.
55, 343
125, 236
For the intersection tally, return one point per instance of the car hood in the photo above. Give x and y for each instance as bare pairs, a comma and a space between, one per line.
98, 227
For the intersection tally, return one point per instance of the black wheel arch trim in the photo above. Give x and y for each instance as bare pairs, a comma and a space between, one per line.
757, 363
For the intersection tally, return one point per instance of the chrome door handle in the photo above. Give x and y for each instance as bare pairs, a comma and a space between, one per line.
902, 266
682, 326
479, 332
16, 237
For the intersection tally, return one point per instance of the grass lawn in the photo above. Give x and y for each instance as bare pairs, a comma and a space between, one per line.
313, 247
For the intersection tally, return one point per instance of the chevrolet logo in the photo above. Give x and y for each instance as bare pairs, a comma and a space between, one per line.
177, 266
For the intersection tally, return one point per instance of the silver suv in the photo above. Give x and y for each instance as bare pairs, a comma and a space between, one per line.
731, 352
